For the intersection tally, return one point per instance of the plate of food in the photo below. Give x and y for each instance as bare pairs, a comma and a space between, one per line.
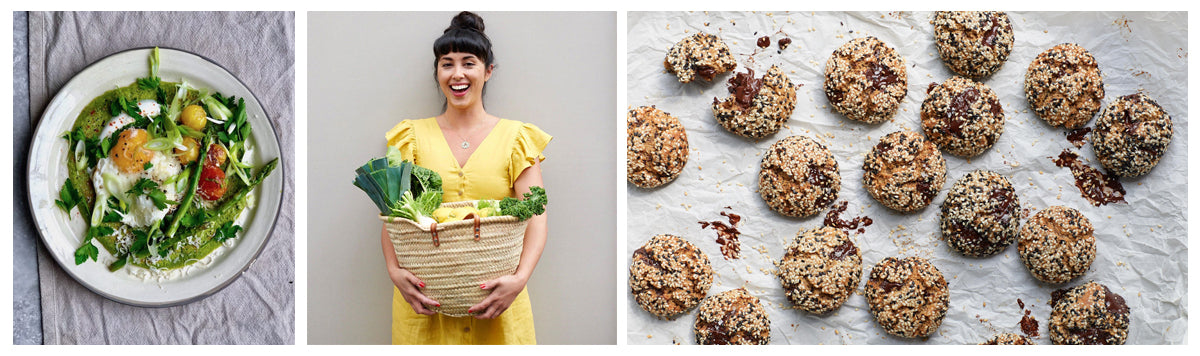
154, 177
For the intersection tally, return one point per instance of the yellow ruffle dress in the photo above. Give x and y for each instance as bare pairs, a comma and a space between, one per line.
489, 173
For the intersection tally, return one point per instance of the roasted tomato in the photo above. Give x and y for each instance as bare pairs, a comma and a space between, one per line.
212, 183
216, 156
129, 153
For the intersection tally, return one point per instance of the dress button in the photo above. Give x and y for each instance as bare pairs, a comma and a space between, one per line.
460, 192
460, 173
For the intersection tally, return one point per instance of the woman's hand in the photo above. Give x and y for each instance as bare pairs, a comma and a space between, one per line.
409, 286
504, 291
408, 283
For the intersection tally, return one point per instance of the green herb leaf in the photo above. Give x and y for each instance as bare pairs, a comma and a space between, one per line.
194, 218
147, 166
226, 231
68, 197
83, 253
112, 217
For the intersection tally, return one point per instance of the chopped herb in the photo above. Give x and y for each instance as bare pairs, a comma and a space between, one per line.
147, 166
226, 231
68, 197
150, 189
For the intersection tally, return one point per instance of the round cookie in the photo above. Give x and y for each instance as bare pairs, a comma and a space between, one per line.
799, 177
1008, 339
701, 56
980, 214
820, 269
669, 275
973, 44
733, 317
1057, 245
1089, 314
962, 117
656, 147
1132, 134
756, 108
909, 297
904, 171
865, 79
1064, 87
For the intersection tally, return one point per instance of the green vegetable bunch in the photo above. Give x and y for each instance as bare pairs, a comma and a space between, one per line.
399, 187
534, 204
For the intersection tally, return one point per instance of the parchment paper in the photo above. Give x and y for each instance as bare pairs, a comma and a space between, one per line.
1141, 245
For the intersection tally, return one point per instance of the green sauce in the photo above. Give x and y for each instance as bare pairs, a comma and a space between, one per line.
92, 119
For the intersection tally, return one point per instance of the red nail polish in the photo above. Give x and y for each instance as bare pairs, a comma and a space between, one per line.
482, 286
438, 305
470, 311
422, 285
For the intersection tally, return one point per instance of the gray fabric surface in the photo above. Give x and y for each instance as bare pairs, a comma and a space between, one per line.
27, 311
258, 48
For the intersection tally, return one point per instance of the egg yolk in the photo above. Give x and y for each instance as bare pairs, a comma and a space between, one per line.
129, 153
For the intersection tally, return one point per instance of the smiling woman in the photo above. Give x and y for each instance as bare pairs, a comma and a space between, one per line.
465, 127
508, 165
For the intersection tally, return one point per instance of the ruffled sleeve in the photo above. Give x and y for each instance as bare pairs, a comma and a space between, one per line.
403, 137
530, 142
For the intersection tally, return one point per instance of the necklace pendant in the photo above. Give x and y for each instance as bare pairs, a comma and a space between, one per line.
465, 145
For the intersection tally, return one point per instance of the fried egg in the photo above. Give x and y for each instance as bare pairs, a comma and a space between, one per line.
126, 164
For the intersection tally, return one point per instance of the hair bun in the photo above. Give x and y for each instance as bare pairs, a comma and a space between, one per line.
466, 20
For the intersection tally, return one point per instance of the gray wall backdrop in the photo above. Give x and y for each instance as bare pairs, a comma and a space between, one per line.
368, 71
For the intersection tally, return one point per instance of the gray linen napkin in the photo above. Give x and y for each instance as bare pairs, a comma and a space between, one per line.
258, 48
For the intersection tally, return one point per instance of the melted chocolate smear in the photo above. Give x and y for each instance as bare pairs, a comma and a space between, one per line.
888, 286
641, 254
1092, 336
727, 235
1077, 136
989, 37
705, 72
880, 76
1114, 302
1003, 210
784, 42
835, 96
1130, 125
931, 86
1098, 188
764, 42
833, 219
744, 88
960, 110
1029, 325
845, 249
995, 107
1057, 295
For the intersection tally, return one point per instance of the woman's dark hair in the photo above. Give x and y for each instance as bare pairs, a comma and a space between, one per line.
465, 35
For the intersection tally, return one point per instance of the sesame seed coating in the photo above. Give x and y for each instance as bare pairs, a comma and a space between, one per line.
1132, 134
771, 107
865, 79
733, 317
1088, 314
669, 275
962, 116
700, 55
973, 44
980, 216
903, 171
909, 297
820, 269
1064, 87
1008, 339
656, 147
1057, 245
799, 177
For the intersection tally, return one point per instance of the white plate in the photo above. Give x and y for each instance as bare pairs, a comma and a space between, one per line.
62, 233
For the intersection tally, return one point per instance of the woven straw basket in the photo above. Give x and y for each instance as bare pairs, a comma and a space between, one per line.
455, 258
